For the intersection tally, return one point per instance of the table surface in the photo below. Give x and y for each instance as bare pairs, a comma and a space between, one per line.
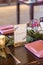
21, 53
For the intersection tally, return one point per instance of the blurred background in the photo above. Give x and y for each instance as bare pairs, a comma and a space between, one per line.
8, 12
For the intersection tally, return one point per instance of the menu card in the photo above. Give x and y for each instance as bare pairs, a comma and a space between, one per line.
19, 34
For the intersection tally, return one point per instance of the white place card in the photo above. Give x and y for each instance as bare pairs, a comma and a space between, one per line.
20, 33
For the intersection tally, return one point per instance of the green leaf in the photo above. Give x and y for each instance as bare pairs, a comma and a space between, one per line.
29, 39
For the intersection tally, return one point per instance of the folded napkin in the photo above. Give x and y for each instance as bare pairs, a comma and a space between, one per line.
6, 29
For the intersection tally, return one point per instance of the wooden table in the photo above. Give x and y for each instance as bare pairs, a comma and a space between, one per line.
22, 54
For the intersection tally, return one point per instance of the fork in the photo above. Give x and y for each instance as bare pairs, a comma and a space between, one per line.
9, 52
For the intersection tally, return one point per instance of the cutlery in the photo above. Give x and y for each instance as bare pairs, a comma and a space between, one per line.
9, 52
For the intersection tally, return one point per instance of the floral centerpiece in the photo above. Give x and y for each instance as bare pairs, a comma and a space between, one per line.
9, 40
35, 33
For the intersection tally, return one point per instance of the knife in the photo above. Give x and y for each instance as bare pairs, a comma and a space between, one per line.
9, 52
